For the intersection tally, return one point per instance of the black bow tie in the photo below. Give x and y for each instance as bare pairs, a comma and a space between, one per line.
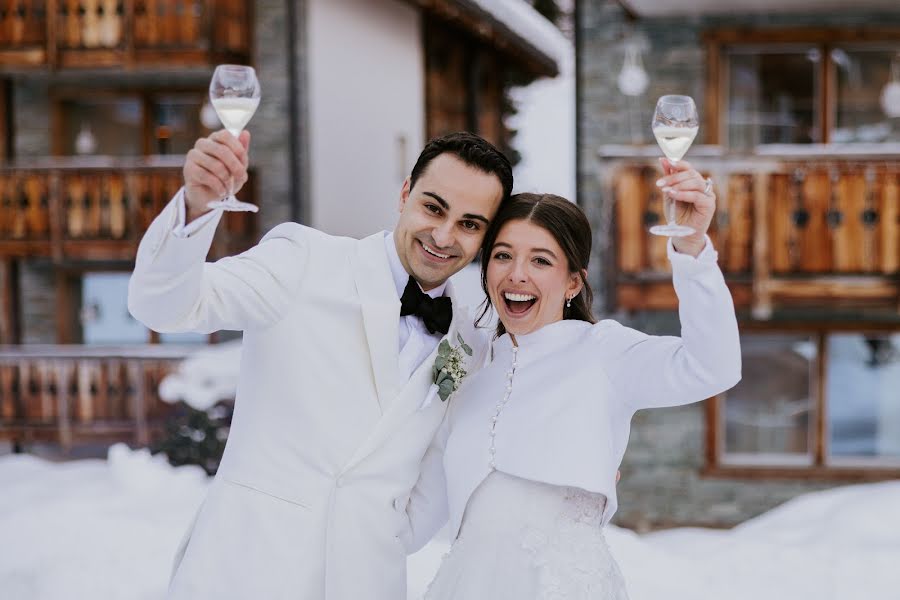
436, 313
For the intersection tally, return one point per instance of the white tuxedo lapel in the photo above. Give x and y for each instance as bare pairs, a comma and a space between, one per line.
411, 393
381, 315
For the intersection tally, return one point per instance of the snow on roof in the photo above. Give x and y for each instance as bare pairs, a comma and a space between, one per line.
529, 26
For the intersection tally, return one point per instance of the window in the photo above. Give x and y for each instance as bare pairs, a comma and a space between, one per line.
801, 86
106, 125
861, 76
105, 319
176, 123
767, 415
773, 96
823, 400
129, 123
104, 310
862, 385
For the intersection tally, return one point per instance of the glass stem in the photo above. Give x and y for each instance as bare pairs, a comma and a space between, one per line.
669, 209
669, 204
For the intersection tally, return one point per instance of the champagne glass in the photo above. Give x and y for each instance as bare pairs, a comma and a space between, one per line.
234, 93
675, 125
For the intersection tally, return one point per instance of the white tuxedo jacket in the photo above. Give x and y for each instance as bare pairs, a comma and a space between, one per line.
327, 439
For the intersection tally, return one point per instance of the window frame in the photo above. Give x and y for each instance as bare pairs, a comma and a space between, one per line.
719, 41
147, 97
821, 467
68, 282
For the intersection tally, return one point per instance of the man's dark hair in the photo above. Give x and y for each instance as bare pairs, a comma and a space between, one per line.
473, 150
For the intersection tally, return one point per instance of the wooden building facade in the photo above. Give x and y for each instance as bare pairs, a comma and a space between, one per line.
99, 102
800, 138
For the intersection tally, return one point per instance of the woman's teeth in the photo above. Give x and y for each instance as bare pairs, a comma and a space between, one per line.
518, 297
519, 304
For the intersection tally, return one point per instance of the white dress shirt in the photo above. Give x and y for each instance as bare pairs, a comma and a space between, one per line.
182, 230
415, 344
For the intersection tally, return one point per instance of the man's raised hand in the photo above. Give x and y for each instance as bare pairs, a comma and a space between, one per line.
215, 166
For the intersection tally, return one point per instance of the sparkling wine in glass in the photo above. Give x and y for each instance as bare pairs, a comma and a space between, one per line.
675, 125
234, 93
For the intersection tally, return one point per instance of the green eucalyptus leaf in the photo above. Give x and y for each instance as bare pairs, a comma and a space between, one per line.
445, 388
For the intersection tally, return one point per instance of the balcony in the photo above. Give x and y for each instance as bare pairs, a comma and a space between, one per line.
63, 34
97, 209
809, 230
70, 394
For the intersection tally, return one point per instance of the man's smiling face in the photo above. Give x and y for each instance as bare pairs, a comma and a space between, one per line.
443, 219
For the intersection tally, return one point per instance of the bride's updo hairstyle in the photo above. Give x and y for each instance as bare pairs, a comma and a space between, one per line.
569, 227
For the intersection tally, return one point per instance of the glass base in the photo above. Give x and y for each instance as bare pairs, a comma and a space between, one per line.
232, 204
672, 230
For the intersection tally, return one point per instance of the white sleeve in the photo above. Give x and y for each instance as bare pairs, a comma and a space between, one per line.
179, 229
653, 371
427, 510
174, 289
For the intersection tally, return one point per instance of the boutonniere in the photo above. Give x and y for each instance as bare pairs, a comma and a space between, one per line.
448, 370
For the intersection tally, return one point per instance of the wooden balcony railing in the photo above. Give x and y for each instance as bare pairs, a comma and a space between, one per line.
69, 209
105, 33
70, 394
816, 230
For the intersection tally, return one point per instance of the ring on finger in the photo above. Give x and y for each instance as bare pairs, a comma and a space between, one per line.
709, 184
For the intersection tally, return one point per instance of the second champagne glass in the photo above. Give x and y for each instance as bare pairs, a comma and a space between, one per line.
675, 125
234, 93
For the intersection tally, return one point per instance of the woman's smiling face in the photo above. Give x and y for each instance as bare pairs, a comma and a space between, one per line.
528, 278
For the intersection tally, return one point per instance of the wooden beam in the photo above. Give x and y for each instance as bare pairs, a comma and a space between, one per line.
820, 422
803, 473
762, 299
6, 120
485, 27
820, 326
51, 56
713, 423
712, 112
809, 35
856, 288
828, 101
10, 327
660, 295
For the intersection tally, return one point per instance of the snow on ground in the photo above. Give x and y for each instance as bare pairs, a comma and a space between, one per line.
108, 529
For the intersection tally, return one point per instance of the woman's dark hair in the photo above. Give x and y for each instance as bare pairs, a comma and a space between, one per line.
472, 150
569, 227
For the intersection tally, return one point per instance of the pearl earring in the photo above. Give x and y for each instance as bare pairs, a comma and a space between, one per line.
568, 303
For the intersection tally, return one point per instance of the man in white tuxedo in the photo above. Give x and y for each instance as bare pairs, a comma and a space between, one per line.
340, 335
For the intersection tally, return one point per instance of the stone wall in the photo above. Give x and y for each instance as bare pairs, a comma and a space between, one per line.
37, 302
661, 483
270, 127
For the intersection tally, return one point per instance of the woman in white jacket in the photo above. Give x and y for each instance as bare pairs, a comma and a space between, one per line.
524, 465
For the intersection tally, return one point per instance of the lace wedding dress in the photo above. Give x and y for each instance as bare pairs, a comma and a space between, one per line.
524, 540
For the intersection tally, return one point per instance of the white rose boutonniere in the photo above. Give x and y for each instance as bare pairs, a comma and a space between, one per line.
449, 369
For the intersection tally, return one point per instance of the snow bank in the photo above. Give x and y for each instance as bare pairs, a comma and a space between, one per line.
108, 529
